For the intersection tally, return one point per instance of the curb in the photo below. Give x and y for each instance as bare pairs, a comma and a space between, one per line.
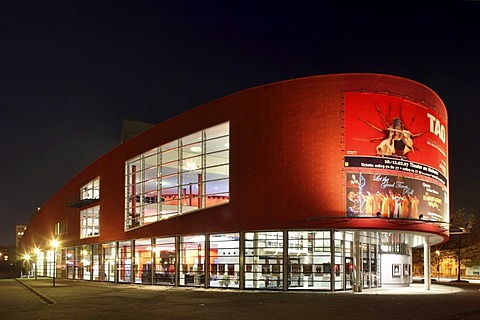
41, 295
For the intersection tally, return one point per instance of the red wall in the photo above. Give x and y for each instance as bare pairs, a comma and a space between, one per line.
286, 163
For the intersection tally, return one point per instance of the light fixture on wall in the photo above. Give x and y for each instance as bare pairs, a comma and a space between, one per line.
190, 165
196, 149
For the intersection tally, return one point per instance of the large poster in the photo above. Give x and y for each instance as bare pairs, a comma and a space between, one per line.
395, 133
395, 197
395, 158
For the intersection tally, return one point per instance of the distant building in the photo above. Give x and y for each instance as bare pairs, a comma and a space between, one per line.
19, 231
319, 183
4, 255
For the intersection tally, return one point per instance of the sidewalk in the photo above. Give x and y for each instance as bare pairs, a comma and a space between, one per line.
92, 300
45, 284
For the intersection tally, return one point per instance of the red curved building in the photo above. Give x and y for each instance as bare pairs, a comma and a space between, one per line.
321, 183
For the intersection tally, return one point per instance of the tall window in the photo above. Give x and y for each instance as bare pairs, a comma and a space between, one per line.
192, 260
309, 260
90, 222
164, 261
124, 262
181, 176
61, 227
224, 260
264, 260
109, 257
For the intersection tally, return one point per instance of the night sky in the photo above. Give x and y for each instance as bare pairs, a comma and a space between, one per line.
72, 71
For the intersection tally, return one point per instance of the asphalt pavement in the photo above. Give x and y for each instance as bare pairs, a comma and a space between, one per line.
38, 299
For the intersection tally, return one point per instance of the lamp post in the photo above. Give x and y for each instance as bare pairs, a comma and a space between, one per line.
437, 252
36, 251
26, 264
54, 244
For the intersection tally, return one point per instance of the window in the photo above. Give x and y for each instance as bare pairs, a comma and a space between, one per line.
394, 242
91, 190
143, 261
264, 260
61, 227
188, 174
90, 222
164, 261
309, 260
124, 262
225, 260
192, 260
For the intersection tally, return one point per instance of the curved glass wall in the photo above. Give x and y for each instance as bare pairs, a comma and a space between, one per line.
269, 260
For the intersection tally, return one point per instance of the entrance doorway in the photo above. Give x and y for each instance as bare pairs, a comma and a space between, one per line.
349, 273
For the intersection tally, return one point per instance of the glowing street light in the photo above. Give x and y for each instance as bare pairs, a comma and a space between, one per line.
26, 263
54, 245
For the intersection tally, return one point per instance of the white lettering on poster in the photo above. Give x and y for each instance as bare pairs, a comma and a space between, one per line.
436, 127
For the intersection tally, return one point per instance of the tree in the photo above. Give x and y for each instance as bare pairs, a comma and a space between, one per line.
464, 240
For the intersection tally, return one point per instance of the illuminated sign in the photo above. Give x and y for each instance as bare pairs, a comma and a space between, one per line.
395, 158
381, 127
393, 196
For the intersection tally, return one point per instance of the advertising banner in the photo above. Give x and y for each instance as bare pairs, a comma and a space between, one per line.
411, 136
396, 197
395, 158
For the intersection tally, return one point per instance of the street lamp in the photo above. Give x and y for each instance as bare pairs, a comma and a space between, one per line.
54, 244
26, 264
438, 264
36, 251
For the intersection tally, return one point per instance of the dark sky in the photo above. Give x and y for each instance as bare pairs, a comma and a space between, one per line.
71, 71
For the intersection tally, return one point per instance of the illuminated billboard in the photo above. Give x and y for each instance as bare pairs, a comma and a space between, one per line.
394, 196
398, 149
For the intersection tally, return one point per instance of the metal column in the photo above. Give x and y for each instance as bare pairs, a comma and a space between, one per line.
426, 263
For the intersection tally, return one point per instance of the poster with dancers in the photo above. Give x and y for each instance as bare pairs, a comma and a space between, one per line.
389, 132
394, 197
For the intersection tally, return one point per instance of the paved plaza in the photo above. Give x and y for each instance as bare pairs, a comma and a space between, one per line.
38, 299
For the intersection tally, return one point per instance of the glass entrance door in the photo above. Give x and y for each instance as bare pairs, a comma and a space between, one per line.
349, 273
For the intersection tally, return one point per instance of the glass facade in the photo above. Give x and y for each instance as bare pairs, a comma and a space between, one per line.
124, 262
164, 255
109, 254
309, 260
143, 261
40, 260
371, 260
264, 260
192, 260
96, 264
224, 260
184, 175
267, 260
394, 242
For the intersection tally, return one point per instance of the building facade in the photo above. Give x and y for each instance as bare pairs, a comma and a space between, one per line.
19, 231
319, 183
